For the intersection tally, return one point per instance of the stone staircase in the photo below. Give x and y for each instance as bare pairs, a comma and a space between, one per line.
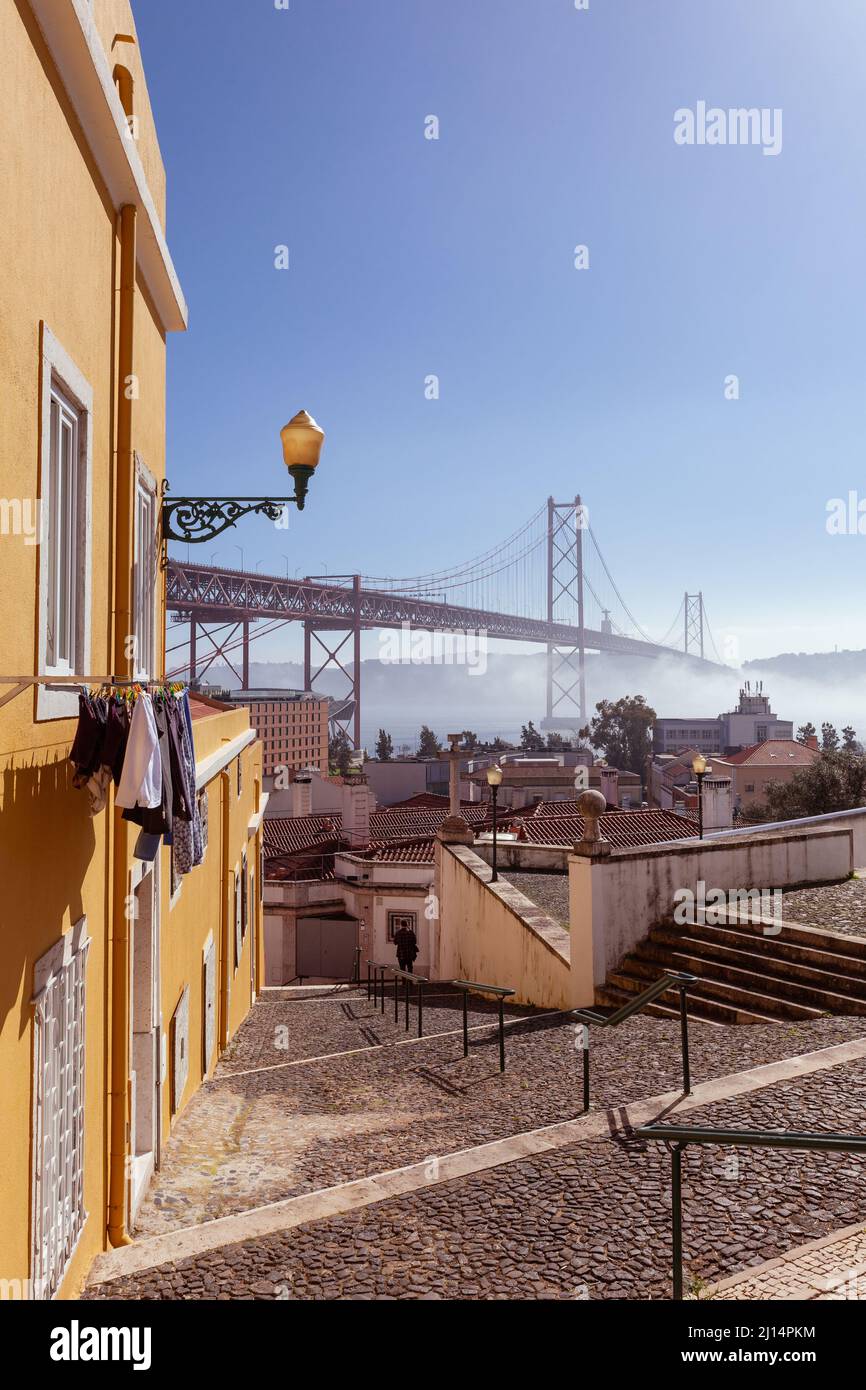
744, 975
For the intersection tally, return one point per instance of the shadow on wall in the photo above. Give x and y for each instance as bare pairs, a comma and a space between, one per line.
47, 842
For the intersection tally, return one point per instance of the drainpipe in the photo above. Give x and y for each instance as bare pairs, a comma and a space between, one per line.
119, 1114
226, 924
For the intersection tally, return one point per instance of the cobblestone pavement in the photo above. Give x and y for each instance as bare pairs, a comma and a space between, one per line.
832, 1268
249, 1139
591, 1220
547, 891
837, 906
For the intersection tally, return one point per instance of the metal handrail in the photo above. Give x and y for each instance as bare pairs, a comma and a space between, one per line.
502, 995
677, 978
678, 1137
377, 983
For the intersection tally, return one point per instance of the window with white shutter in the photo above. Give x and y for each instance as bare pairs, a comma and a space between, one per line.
58, 1109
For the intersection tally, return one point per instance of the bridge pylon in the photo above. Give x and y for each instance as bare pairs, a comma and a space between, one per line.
693, 624
566, 665
327, 643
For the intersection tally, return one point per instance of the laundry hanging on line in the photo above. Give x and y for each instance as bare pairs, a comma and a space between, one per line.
141, 738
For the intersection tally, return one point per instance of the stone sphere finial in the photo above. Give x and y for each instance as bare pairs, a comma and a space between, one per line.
591, 805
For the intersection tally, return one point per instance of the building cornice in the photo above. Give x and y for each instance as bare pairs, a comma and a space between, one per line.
75, 46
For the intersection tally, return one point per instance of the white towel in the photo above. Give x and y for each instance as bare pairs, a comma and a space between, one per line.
141, 778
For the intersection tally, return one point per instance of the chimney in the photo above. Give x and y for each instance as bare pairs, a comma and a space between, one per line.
718, 801
812, 741
302, 794
610, 785
357, 804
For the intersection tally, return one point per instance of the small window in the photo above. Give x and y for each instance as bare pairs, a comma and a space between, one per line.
65, 539
145, 575
750, 786
66, 408
396, 920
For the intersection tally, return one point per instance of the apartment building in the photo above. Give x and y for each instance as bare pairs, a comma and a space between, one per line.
292, 726
122, 973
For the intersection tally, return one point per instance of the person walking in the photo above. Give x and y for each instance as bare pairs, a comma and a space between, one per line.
407, 947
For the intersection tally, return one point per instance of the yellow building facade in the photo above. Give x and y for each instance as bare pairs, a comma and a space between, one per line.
120, 980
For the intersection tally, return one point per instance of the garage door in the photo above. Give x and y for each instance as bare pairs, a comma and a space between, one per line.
326, 947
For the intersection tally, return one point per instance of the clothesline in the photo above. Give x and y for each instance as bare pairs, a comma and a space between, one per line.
22, 683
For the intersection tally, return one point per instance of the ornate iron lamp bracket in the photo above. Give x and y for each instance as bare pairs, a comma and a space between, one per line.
199, 519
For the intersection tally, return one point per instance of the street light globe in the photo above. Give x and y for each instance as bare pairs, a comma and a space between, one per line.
699, 765
494, 776
302, 442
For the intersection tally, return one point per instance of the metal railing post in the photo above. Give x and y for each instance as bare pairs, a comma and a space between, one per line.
396, 998
382, 982
585, 1067
368, 979
465, 1023
420, 1011
684, 1029
406, 1002
501, 1033
677, 1215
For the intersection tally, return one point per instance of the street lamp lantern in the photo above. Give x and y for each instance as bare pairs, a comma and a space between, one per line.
700, 769
494, 782
302, 447
199, 519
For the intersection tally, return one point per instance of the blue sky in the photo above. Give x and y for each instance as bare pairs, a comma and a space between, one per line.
454, 257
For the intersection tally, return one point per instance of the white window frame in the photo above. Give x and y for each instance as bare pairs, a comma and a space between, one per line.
145, 572
62, 381
58, 1214
401, 917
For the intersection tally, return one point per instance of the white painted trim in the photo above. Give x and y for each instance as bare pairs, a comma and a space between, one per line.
210, 768
71, 35
254, 824
58, 956
61, 702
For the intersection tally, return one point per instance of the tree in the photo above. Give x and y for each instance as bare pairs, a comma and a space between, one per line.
834, 782
557, 744
621, 730
849, 740
531, 740
384, 747
340, 752
829, 737
428, 744
805, 732
470, 739
500, 746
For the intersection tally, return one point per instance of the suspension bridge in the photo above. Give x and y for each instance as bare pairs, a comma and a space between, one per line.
548, 583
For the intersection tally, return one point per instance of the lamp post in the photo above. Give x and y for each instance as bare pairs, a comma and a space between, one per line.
700, 769
200, 519
494, 781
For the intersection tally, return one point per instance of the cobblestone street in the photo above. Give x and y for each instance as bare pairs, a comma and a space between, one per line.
319, 1091
837, 906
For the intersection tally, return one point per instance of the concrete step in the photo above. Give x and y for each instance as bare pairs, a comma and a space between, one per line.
820, 951
609, 996
821, 969
812, 938
650, 960
753, 1000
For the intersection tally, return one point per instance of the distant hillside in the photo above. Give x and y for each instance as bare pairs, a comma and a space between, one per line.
812, 666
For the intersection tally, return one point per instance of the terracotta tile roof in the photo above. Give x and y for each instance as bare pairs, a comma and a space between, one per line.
288, 834
408, 852
430, 801
624, 829
776, 752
